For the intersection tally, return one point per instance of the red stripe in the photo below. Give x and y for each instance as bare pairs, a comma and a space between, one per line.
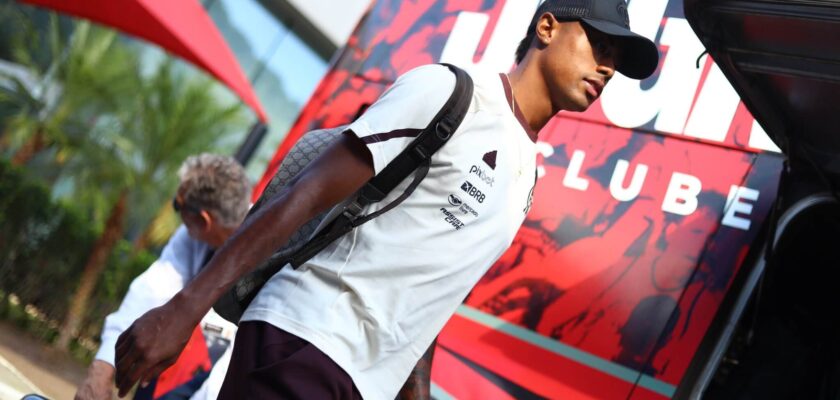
461, 381
536, 369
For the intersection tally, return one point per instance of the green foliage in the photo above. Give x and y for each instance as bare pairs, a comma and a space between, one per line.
174, 115
35, 261
43, 246
87, 75
107, 126
102, 120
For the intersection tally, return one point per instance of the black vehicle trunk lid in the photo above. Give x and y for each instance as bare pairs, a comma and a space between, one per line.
783, 58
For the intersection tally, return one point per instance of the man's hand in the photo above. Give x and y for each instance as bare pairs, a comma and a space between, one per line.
99, 382
152, 344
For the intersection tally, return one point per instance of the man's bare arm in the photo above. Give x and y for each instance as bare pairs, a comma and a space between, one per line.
418, 385
156, 339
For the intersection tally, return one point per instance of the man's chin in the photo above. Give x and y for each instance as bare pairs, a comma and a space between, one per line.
580, 107
577, 104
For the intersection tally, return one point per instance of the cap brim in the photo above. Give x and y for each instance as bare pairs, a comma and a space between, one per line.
639, 55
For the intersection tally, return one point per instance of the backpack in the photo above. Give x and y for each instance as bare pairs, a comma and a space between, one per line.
322, 230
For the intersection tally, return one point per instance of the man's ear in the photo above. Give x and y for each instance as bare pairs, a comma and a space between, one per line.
208, 220
545, 29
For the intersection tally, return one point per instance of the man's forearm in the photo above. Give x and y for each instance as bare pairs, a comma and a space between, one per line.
418, 385
257, 239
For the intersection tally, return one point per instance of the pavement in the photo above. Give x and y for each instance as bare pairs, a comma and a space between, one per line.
13, 385
30, 366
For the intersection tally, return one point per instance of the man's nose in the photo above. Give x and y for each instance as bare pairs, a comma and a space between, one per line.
607, 69
606, 63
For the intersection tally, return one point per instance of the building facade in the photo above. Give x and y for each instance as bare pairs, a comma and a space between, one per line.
284, 48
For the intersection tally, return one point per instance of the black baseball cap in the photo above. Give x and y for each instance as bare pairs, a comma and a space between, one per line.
639, 55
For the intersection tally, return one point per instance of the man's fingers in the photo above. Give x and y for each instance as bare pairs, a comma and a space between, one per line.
142, 374
142, 370
130, 378
125, 362
123, 382
141, 349
129, 369
124, 343
122, 390
156, 371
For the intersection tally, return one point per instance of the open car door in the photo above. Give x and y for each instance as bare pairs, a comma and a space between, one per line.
777, 335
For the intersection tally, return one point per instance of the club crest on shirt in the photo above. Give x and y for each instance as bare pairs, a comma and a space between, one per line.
490, 159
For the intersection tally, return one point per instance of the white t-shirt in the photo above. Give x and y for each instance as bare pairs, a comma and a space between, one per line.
375, 299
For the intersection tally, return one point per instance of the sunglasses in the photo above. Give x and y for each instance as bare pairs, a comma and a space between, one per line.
179, 205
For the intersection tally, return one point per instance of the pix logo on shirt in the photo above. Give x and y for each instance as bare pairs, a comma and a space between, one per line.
484, 176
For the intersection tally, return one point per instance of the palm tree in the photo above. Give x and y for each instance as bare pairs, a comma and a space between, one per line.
81, 80
137, 153
116, 134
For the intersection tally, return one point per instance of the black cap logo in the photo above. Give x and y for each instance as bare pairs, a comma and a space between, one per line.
622, 12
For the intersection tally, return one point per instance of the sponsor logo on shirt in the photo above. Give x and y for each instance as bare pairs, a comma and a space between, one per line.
462, 207
484, 176
473, 191
451, 219
467, 210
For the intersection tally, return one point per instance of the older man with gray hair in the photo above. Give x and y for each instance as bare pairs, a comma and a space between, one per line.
212, 200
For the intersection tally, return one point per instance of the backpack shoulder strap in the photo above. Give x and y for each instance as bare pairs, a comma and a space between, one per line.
414, 158
429, 141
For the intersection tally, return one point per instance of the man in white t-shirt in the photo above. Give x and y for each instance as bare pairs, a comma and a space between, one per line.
354, 320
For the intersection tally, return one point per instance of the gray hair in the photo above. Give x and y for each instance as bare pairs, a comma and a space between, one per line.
217, 184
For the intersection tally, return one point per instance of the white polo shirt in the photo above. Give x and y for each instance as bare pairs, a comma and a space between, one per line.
375, 299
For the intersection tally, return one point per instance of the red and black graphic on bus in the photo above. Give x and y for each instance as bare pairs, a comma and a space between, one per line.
644, 211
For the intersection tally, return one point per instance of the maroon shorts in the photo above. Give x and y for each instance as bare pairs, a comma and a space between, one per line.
269, 363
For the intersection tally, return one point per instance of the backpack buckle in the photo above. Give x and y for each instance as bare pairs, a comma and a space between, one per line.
443, 129
353, 210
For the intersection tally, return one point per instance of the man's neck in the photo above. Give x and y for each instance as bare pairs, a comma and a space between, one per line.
532, 95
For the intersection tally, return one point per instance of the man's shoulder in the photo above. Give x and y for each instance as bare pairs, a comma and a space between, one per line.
430, 71
181, 236
441, 73
429, 75
437, 81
